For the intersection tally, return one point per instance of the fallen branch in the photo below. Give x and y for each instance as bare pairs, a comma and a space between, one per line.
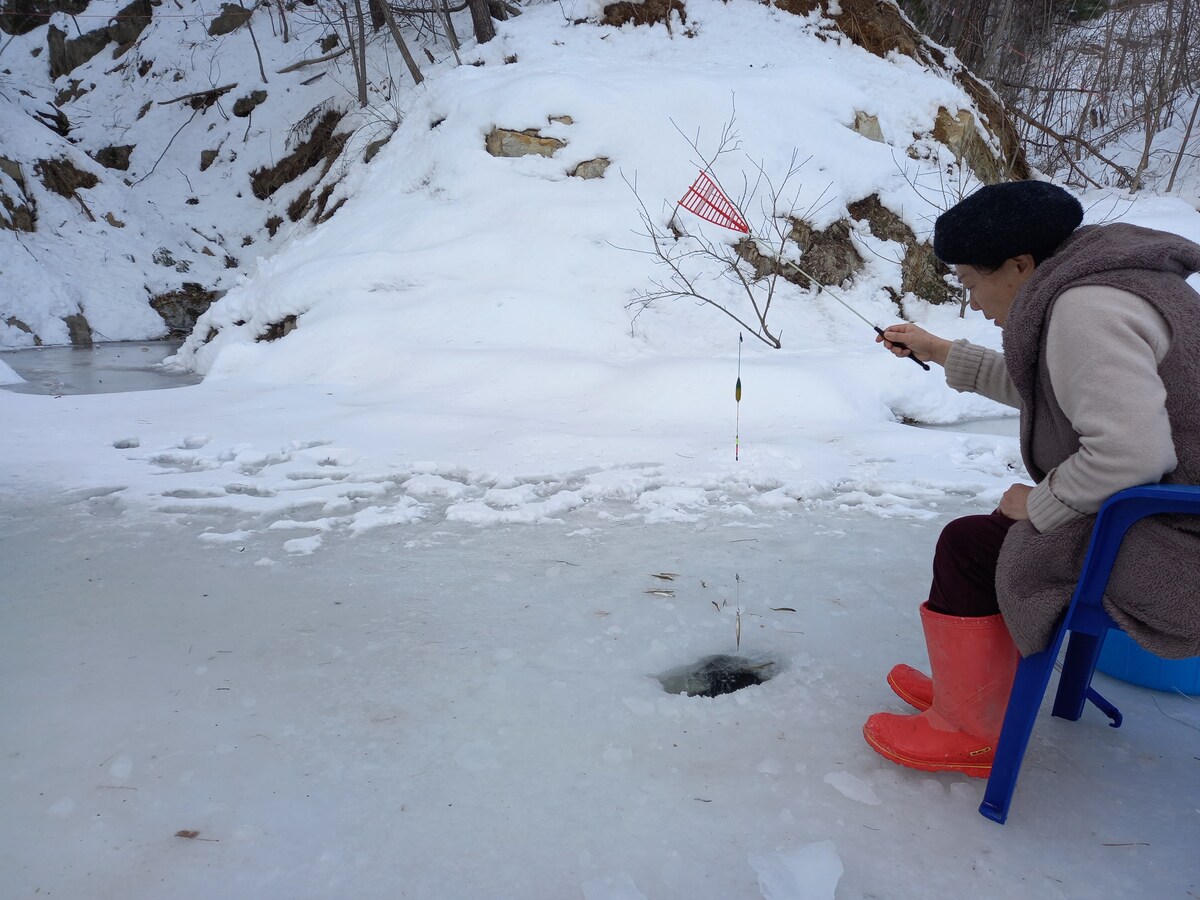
211, 95
311, 62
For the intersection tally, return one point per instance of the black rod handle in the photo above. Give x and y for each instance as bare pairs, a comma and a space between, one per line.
911, 355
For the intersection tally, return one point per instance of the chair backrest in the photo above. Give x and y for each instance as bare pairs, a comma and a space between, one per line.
1116, 516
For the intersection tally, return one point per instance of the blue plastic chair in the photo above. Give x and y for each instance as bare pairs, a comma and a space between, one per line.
1088, 623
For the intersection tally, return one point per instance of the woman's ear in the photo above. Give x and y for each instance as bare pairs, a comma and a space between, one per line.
1024, 263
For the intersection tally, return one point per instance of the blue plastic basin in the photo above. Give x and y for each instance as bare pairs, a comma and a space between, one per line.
1122, 658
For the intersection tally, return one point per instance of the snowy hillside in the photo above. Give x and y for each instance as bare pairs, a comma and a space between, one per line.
165, 167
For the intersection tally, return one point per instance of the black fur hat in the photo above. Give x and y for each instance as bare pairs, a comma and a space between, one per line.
1000, 221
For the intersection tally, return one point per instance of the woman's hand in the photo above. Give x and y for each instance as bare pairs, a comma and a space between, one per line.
906, 338
1015, 502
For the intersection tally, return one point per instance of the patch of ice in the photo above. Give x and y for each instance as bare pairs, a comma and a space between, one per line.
303, 546
226, 537
405, 512
431, 486
853, 788
811, 872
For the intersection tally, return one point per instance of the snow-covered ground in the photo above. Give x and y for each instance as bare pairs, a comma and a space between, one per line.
373, 609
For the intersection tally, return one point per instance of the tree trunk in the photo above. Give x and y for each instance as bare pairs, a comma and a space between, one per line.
413, 69
481, 20
357, 51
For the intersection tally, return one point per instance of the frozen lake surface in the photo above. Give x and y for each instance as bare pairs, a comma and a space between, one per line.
437, 710
106, 368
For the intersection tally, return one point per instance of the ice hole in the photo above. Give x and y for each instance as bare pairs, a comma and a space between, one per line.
716, 675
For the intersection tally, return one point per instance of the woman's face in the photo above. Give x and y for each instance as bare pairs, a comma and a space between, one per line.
992, 293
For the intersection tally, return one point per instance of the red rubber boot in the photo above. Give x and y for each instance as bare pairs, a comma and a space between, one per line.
912, 686
973, 661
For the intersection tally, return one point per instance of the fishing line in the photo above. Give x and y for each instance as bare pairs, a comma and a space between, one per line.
878, 330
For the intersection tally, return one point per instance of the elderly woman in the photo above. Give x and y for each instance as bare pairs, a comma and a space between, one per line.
1102, 357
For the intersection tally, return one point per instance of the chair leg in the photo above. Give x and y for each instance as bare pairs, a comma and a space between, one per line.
1029, 687
1083, 650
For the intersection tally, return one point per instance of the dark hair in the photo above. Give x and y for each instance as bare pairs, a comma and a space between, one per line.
1000, 221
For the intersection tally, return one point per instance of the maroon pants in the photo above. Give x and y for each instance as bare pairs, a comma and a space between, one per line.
964, 565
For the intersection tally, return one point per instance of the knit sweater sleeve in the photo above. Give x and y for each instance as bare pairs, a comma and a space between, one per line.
1103, 350
978, 370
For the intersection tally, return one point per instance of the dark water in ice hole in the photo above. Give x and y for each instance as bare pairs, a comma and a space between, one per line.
107, 368
713, 676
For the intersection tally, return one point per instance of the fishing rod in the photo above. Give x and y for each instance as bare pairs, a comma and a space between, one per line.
706, 199
878, 330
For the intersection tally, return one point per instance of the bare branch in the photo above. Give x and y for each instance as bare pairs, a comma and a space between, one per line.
308, 62
1066, 138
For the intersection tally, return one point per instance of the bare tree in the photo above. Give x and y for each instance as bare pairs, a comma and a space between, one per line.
1082, 77
739, 279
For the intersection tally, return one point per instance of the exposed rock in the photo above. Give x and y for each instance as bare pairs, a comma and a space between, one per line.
128, 24
921, 272
321, 146
62, 177
506, 143
23, 16
12, 169
66, 54
207, 158
649, 12
828, 256
116, 157
868, 126
124, 28
165, 258
19, 213
374, 147
884, 223
232, 17
180, 309
78, 329
14, 322
592, 168
72, 91
924, 275
243, 106
961, 134
279, 329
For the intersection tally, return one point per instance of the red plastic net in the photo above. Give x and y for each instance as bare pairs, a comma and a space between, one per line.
709, 202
